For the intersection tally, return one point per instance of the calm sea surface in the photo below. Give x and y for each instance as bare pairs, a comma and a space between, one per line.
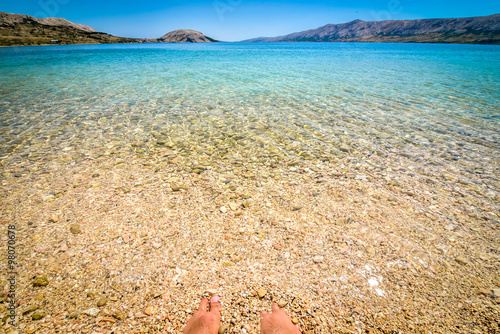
437, 105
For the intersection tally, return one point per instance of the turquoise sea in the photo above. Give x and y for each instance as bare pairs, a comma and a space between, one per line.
437, 105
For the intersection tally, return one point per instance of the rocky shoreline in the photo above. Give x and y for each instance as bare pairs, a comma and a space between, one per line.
130, 239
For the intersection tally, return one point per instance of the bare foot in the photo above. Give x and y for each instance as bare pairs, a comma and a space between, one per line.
203, 322
277, 322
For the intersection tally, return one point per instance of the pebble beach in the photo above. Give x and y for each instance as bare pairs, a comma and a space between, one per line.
354, 221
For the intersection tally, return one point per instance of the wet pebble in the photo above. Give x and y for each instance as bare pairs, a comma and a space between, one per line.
102, 301
370, 250
282, 303
149, 310
30, 309
75, 228
93, 312
53, 219
233, 206
75, 314
261, 293
41, 281
175, 187
118, 315
341, 221
92, 293
63, 248
223, 328
318, 259
38, 315
482, 291
31, 330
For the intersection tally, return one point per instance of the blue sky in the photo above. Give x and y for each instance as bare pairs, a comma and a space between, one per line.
234, 20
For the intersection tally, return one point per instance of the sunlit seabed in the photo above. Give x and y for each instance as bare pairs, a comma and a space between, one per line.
258, 104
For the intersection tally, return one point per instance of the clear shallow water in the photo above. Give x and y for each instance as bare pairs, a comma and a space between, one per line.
436, 105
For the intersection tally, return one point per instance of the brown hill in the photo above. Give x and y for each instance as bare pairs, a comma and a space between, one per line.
18, 29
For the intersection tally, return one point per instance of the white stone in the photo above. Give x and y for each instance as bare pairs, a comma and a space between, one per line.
318, 259
93, 312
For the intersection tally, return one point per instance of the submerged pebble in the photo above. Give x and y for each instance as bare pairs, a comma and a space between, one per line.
102, 301
41, 281
75, 228
93, 312
38, 315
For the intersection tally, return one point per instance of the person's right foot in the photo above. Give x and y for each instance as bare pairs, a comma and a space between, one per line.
277, 322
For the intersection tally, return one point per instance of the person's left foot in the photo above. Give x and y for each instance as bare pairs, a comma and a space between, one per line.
203, 322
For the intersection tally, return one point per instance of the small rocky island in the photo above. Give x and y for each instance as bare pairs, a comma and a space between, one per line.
185, 36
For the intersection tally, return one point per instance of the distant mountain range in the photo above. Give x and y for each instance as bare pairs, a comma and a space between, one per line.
18, 29
470, 30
